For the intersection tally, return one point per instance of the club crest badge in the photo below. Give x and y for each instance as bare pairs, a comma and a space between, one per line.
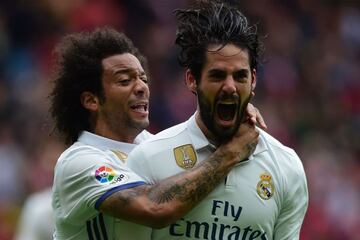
122, 156
265, 187
185, 156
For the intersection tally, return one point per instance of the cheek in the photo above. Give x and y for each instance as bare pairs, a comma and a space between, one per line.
207, 97
244, 90
210, 92
117, 103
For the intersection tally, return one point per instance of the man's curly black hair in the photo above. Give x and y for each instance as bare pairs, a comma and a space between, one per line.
79, 69
213, 22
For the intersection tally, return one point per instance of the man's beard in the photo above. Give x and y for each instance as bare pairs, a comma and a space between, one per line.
207, 112
124, 123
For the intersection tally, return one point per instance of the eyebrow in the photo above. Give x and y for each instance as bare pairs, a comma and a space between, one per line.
242, 71
215, 70
128, 70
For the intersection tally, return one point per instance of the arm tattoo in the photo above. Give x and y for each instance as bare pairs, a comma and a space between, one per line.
126, 196
182, 189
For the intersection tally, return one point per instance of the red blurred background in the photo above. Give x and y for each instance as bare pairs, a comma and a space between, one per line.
308, 91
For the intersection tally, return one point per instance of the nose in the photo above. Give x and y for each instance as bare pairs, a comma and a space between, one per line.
229, 85
141, 88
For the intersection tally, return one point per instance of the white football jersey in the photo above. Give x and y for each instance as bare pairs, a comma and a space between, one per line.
85, 175
36, 221
265, 197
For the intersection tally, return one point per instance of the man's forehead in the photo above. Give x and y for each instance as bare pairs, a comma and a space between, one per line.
122, 63
228, 50
226, 56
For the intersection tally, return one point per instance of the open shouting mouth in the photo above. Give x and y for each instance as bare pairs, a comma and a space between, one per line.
141, 107
226, 112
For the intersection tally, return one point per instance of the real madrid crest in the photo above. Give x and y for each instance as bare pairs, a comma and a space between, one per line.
185, 156
265, 187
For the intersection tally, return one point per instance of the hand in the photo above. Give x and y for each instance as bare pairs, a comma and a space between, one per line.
254, 116
243, 143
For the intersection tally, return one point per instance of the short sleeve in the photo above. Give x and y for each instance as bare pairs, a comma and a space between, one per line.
86, 178
295, 202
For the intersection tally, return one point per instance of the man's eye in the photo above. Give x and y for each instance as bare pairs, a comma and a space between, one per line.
124, 82
145, 80
217, 76
241, 76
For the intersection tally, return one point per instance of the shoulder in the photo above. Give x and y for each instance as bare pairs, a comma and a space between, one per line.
79, 151
168, 133
165, 139
142, 137
284, 156
162, 142
80, 158
274, 143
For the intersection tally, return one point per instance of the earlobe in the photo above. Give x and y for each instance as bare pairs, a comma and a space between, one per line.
190, 81
89, 101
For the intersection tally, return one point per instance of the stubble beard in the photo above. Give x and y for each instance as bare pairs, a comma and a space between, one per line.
126, 125
207, 112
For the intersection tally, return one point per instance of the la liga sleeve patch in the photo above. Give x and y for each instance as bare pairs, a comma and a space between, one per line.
105, 174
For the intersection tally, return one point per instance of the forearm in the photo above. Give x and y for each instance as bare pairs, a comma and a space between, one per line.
181, 192
163, 203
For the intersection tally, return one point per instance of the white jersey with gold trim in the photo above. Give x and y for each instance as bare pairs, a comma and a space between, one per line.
85, 175
265, 197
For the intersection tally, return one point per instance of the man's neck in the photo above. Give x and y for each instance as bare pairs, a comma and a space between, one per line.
209, 135
126, 136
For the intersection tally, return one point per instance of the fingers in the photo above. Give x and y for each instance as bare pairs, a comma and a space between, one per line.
260, 120
255, 117
249, 148
244, 142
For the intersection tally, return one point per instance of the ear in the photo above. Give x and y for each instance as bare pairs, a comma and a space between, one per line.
253, 79
190, 81
89, 101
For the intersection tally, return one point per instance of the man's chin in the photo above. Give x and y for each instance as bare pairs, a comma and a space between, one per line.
224, 134
141, 125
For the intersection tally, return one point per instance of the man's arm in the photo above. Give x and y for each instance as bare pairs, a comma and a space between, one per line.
163, 203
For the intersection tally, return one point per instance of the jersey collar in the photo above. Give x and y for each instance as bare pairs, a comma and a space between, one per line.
103, 143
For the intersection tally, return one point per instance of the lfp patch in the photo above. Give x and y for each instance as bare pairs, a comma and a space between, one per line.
265, 187
104, 174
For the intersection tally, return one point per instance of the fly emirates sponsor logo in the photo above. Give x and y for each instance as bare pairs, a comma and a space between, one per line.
215, 229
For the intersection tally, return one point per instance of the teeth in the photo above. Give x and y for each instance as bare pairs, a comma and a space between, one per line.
140, 108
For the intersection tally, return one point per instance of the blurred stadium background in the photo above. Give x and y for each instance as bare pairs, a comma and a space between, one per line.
308, 91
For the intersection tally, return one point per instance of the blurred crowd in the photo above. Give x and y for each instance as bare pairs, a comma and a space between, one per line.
308, 92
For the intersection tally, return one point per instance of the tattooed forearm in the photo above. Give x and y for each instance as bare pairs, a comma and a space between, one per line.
192, 191
165, 192
188, 189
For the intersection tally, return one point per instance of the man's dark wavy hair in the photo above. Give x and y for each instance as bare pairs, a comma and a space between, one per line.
213, 22
79, 69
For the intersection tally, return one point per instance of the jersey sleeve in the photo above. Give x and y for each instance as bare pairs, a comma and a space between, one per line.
295, 202
87, 178
137, 161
